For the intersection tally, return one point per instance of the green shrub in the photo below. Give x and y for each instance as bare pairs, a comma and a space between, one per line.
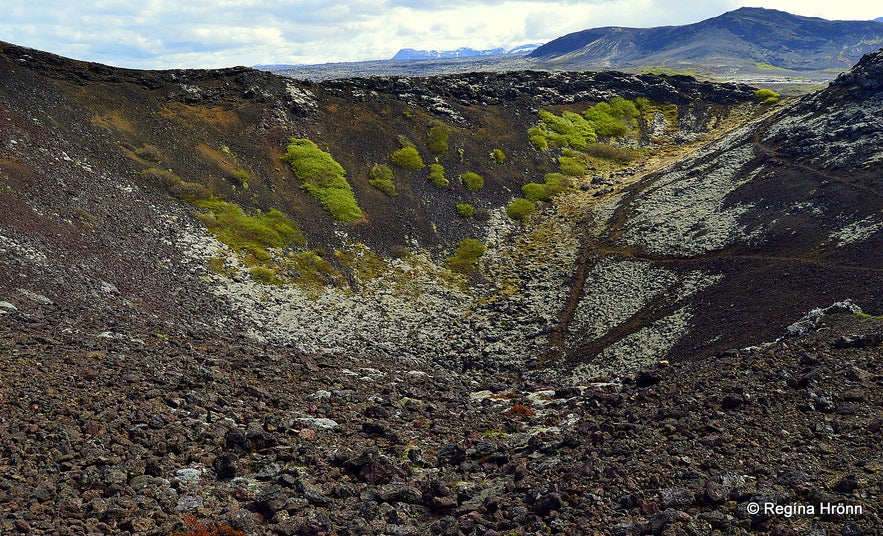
520, 209
571, 166
465, 210
605, 123
473, 181
556, 183
538, 138
621, 108
535, 192
465, 257
766, 96
498, 156
381, 178
621, 155
612, 119
323, 178
437, 175
407, 157
437, 138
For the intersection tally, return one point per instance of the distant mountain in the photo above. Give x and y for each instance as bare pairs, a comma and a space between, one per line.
759, 35
463, 52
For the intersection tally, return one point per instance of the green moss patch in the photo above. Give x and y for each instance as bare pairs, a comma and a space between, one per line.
323, 178
381, 177
466, 256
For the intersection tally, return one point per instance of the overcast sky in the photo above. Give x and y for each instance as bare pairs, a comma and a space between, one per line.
158, 34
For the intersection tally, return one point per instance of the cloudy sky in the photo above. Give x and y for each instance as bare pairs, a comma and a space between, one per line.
158, 34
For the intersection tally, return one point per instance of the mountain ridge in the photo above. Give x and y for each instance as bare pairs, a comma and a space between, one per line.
462, 52
769, 36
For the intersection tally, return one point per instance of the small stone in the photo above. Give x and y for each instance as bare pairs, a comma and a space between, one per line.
226, 465
847, 484
451, 454
732, 402
546, 503
679, 498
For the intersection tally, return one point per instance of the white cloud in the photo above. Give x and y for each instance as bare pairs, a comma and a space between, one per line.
202, 33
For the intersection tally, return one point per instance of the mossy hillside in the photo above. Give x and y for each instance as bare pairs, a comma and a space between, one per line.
249, 235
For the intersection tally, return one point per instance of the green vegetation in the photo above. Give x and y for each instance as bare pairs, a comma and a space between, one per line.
249, 233
381, 178
362, 261
465, 257
766, 96
437, 175
567, 130
473, 181
265, 275
612, 119
241, 178
767, 67
465, 210
555, 183
437, 138
520, 209
571, 165
407, 157
498, 156
666, 71
323, 178
311, 270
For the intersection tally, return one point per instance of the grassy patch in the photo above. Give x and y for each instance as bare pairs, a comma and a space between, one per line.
520, 209
766, 96
437, 138
473, 181
407, 157
323, 178
767, 67
465, 257
465, 210
249, 233
498, 156
310, 269
437, 175
620, 155
381, 178
265, 275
